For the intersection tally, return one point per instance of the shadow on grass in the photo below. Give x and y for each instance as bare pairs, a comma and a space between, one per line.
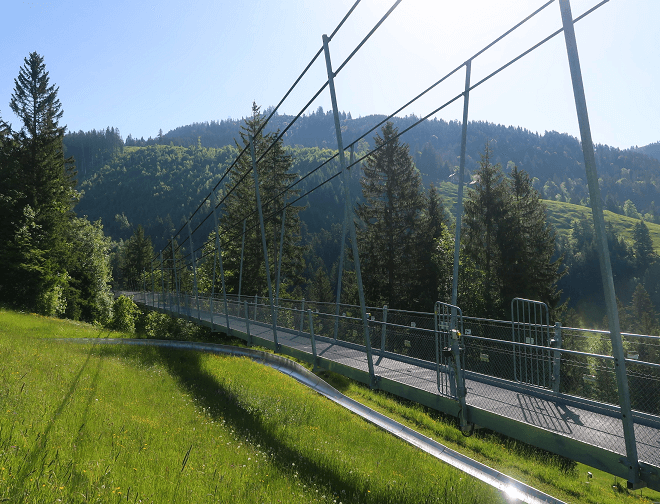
208, 392
40, 447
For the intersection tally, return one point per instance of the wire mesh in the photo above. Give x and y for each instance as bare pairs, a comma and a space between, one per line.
404, 344
532, 363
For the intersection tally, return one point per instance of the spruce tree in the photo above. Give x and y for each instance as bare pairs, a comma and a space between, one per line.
136, 255
433, 269
37, 184
274, 177
486, 215
643, 246
508, 242
527, 243
392, 214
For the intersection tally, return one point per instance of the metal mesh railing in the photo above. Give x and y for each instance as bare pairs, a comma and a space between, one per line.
490, 351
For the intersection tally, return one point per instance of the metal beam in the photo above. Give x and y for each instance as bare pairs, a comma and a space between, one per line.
240, 273
631, 461
194, 264
222, 269
279, 261
344, 225
176, 281
162, 279
255, 175
461, 174
351, 221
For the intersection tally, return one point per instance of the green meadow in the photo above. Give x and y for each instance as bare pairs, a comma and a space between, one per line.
101, 423
560, 215
83, 423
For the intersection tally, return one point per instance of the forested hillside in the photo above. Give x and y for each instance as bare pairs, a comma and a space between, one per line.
652, 150
553, 160
159, 186
157, 183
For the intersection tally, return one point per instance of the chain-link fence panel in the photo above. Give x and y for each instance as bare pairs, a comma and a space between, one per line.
641, 347
489, 357
488, 348
644, 385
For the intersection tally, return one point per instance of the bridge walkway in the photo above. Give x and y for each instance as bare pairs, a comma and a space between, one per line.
583, 430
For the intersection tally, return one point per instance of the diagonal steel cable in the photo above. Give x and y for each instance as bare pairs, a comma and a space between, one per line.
416, 123
273, 112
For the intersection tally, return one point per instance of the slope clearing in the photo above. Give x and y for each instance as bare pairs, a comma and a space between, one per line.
99, 424
560, 215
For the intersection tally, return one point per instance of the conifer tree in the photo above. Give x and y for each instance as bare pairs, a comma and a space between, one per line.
433, 280
486, 214
392, 214
274, 177
643, 246
527, 245
136, 255
46, 179
508, 241
37, 184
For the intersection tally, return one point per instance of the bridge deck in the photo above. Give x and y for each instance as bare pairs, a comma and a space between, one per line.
564, 417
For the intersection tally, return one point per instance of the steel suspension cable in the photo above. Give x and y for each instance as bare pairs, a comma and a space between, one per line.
279, 137
359, 46
287, 205
439, 108
426, 90
273, 112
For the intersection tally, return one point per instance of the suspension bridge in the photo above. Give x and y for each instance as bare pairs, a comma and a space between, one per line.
524, 378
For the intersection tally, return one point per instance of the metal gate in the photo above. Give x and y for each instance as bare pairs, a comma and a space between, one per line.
448, 326
532, 337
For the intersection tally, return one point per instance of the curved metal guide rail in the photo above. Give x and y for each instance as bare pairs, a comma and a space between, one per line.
511, 487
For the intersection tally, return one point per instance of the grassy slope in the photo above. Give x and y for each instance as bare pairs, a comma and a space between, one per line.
561, 214
75, 426
109, 424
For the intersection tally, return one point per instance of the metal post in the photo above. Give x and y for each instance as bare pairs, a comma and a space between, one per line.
311, 335
556, 361
461, 174
176, 280
153, 290
222, 269
279, 262
247, 323
632, 461
194, 263
211, 304
162, 280
383, 333
351, 222
461, 392
263, 241
240, 274
302, 317
340, 270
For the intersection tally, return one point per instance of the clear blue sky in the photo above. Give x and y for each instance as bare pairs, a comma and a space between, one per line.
142, 66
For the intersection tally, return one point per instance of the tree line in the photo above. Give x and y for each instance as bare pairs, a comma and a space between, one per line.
63, 264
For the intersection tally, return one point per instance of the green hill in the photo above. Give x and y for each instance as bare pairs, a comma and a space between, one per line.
560, 215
